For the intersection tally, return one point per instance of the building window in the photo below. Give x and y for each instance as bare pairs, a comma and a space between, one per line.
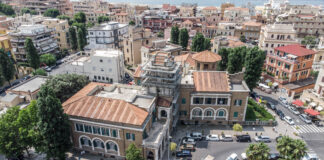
85, 141
222, 101
130, 136
102, 69
79, 127
304, 65
114, 133
111, 146
99, 77
198, 100
209, 113
163, 113
183, 113
183, 101
221, 113
298, 66
95, 77
235, 114
98, 144
96, 130
105, 132
100, 60
87, 129
238, 102
197, 112
279, 63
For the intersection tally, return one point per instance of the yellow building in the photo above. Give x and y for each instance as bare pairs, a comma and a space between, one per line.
61, 31
5, 42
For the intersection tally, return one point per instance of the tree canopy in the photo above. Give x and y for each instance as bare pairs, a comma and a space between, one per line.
81, 41
223, 52
237, 128
66, 85
48, 59
200, 43
254, 61
184, 38
32, 54
175, 35
242, 38
40, 71
6, 66
133, 153
80, 17
63, 17
258, 151
290, 148
309, 41
52, 13
102, 19
236, 60
132, 23
73, 39
6, 9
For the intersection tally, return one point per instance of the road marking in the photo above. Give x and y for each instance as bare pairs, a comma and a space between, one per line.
308, 129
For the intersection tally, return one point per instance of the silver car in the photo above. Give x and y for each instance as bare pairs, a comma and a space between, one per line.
305, 118
294, 110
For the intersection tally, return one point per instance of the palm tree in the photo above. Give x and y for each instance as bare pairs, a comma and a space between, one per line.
258, 151
284, 146
299, 149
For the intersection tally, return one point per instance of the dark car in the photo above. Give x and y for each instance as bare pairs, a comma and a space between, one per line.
26, 78
271, 106
253, 95
15, 83
278, 112
281, 116
274, 156
184, 153
318, 123
2, 90
243, 138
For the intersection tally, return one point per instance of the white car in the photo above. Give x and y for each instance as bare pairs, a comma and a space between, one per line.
189, 141
244, 156
310, 156
305, 118
289, 120
265, 139
212, 137
226, 138
233, 156
294, 110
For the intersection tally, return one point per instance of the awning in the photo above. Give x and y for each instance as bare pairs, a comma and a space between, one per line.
298, 103
313, 104
319, 108
311, 112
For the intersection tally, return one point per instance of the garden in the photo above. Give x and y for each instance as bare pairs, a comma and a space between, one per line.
256, 111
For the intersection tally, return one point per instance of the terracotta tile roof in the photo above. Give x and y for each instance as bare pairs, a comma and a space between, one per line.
210, 8
185, 58
236, 9
165, 6
122, 14
206, 56
295, 49
211, 81
138, 72
235, 43
252, 23
163, 102
102, 108
187, 22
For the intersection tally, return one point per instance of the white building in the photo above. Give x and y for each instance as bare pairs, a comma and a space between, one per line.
106, 35
101, 65
226, 29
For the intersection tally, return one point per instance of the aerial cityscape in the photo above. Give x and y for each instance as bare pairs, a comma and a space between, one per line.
161, 80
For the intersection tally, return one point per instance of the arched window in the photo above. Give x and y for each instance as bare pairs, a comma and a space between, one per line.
111, 146
85, 141
221, 113
209, 113
163, 113
197, 112
98, 144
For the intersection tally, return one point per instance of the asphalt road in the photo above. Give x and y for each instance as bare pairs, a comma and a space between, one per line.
221, 150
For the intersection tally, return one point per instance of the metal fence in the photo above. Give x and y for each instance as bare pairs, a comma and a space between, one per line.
260, 123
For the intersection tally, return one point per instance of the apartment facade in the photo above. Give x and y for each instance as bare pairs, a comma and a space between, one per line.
91, 8
106, 66
42, 37
250, 30
136, 37
124, 115
5, 22
276, 35
106, 35
236, 14
220, 42
203, 102
40, 6
61, 31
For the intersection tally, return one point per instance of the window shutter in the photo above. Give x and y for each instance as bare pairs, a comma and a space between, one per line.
116, 149
240, 102
127, 136
102, 145
90, 144
94, 143
82, 141
108, 146
133, 137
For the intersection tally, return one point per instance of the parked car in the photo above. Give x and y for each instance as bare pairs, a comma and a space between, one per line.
212, 137
189, 147
184, 153
26, 77
233, 156
196, 136
294, 110
48, 69
189, 141
243, 138
274, 156
282, 116
310, 156
271, 106
305, 118
15, 82
289, 120
265, 139
226, 138
253, 95
244, 156
282, 99
319, 123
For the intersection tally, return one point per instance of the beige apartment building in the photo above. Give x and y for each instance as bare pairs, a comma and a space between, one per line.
92, 8
105, 119
213, 97
236, 14
250, 30
121, 17
133, 41
61, 31
219, 42
276, 35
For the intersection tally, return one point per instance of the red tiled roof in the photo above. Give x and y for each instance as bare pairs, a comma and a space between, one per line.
211, 81
206, 56
295, 49
102, 108
210, 8
185, 58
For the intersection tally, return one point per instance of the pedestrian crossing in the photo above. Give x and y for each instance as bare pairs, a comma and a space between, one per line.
310, 128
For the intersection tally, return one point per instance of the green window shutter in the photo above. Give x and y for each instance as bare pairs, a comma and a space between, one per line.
183, 101
240, 102
133, 137
114, 133
90, 144
108, 145
94, 143
77, 127
82, 141
94, 130
127, 136
235, 114
116, 149
107, 132
102, 145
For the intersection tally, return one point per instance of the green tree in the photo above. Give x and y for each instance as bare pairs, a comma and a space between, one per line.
63, 17
80, 17
32, 54
254, 60
1, 79
309, 41
52, 13
223, 52
314, 74
242, 38
299, 150
133, 153
7, 68
73, 38
102, 19
10, 144
184, 38
53, 125
198, 43
27, 120
284, 146
25, 10
65, 52
33, 12
235, 63
40, 72
81, 42
66, 85
160, 34
207, 44
132, 23
175, 35
48, 59
237, 128
6, 9
258, 151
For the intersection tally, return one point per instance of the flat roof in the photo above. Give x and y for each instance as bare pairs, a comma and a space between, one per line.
107, 53
236, 86
31, 85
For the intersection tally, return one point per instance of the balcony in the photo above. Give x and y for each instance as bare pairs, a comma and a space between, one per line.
284, 59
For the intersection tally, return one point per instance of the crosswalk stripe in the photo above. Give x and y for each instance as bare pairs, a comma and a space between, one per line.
308, 129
